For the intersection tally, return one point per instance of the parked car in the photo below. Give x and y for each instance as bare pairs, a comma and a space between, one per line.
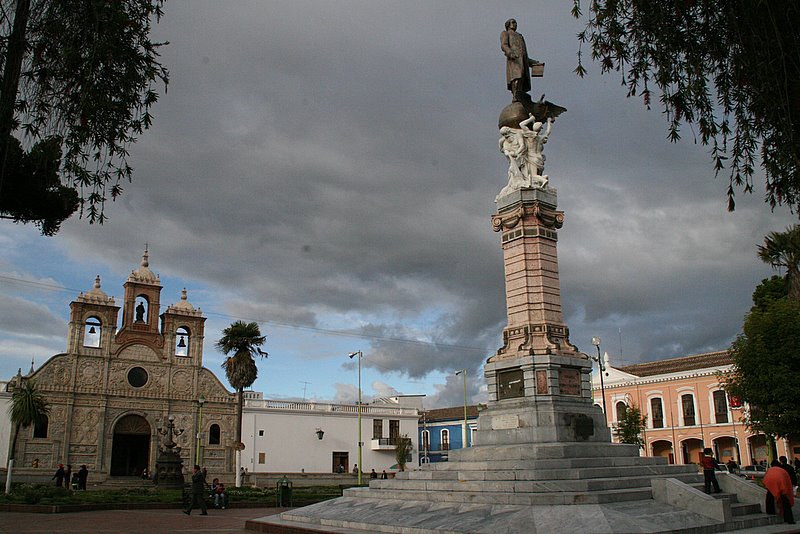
753, 472
721, 468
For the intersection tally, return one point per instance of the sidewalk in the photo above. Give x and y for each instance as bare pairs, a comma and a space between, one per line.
119, 521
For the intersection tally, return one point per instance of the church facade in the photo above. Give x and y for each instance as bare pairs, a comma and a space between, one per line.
111, 393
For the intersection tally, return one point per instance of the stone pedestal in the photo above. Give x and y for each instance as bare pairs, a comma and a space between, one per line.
539, 383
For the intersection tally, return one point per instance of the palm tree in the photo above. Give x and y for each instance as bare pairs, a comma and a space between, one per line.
782, 249
28, 407
244, 340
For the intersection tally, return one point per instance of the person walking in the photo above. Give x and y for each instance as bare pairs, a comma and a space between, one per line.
789, 469
198, 491
83, 474
709, 478
779, 490
59, 476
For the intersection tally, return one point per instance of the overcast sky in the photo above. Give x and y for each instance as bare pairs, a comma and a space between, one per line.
329, 169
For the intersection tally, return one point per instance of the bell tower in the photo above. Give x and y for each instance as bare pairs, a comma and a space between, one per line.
141, 305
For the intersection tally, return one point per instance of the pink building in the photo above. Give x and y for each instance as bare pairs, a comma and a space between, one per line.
686, 409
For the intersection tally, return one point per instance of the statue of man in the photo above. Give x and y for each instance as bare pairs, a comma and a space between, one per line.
518, 76
140, 313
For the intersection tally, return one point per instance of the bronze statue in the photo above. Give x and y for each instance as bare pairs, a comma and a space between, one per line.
518, 77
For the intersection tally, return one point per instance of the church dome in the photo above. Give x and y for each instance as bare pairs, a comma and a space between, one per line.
143, 274
183, 306
96, 294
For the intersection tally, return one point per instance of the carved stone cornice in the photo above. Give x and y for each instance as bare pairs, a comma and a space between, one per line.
534, 213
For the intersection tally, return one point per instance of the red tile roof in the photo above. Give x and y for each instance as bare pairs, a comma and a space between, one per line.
675, 365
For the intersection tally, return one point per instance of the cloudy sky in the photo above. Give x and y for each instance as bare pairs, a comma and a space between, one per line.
328, 169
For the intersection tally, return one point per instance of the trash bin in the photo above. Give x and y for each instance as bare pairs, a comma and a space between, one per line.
283, 492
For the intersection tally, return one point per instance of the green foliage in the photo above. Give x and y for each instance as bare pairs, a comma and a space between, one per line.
630, 426
85, 80
28, 407
769, 290
728, 70
764, 373
402, 451
782, 250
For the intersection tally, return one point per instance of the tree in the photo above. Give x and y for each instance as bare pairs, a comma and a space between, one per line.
769, 290
243, 340
764, 373
402, 451
630, 426
28, 407
728, 70
78, 85
782, 249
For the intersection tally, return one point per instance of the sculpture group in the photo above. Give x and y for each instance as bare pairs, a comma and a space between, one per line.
524, 145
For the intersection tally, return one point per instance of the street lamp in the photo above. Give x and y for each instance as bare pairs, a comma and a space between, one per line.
360, 443
464, 432
602, 366
200, 401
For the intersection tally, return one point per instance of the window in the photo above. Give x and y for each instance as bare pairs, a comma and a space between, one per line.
510, 384
426, 440
213, 435
91, 332
40, 428
621, 409
720, 407
657, 413
687, 403
394, 430
137, 377
262, 458
472, 431
445, 440
377, 428
182, 341
260, 433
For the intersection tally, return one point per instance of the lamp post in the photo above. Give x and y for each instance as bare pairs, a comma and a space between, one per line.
464, 432
200, 402
360, 443
602, 367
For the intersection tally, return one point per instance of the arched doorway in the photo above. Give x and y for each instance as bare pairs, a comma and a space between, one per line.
663, 448
691, 450
130, 450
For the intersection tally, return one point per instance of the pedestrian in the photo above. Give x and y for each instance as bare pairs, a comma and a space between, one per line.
67, 476
733, 467
779, 490
709, 478
59, 476
373, 474
198, 491
792, 473
75, 481
220, 499
384, 476
83, 474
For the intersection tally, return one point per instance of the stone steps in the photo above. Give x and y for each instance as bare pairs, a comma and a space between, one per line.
505, 473
542, 451
551, 463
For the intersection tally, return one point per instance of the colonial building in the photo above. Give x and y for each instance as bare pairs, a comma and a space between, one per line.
120, 379
686, 409
316, 437
443, 430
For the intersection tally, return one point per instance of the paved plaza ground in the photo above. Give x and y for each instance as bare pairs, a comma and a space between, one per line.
119, 521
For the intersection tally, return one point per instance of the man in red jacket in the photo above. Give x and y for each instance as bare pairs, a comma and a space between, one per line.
709, 464
779, 489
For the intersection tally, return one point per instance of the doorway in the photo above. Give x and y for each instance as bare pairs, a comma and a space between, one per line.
341, 462
130, 448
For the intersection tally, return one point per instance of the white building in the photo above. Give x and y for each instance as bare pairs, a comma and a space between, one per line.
5, 423
310, 437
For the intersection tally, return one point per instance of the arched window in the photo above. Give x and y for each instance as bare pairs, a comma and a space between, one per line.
445, 440
40, 428
426, 440
621, 409
141, 309
91, 332
657, 412
720, 406
213, 435
687, 407
182, 341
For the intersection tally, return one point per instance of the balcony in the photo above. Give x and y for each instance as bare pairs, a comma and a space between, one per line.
385, 444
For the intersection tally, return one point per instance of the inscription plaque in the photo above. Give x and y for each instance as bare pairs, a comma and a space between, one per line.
541, 383
505, 422
569, 381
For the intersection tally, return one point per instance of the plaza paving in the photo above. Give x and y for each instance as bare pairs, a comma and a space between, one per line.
119, 521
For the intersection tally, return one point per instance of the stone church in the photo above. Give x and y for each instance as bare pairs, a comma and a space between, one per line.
111, 393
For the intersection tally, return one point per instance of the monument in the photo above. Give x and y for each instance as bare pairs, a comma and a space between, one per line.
543, 461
